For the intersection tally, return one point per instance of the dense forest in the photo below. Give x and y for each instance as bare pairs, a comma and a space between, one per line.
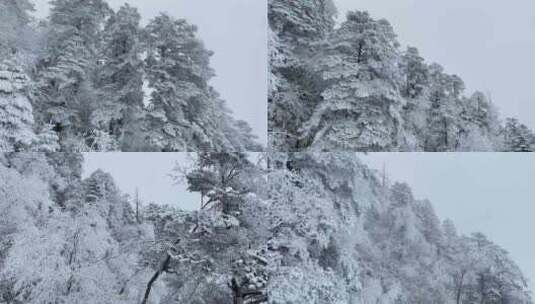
269, 228
89, 78
351, 87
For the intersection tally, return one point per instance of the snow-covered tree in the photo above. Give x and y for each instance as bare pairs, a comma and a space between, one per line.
16, 118
47, 139
66, 95
217, 178
361, 102
518, 137
194, 250
178, 71
184, 113
66, 186
415, 73
443, 113
294, 28
14, 26
121, 80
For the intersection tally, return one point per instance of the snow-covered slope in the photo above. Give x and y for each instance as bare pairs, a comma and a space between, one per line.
342, 234
65, 251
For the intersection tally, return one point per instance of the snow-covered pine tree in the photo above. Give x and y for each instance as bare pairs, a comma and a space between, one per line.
294, 29
16, 118
195, 250
177, 71
479, 111
443, 125
415, 73
360, 108
217, 177
184, 112
414, 88
120, 80
303, 248
243, 134
14, 20
493, 277
518, 137
47, 139
95, 187
480, 126
66, 95
66, 185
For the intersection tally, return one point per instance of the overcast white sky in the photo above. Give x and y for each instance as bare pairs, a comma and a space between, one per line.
492, 193
236, 30
490, 44
149, 172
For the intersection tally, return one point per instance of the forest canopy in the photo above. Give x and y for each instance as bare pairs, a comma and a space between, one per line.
89, 78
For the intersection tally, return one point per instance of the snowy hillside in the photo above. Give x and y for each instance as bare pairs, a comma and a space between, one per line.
342, 234
68, 240
299, 228
351, 88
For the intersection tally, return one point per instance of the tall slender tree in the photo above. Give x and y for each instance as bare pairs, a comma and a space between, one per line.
14, 20
16, 118
295, 28
66, 95
178, 72
120, 111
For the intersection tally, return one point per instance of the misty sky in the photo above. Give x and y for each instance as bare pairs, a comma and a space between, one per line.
493, 193
236, 31
490, 44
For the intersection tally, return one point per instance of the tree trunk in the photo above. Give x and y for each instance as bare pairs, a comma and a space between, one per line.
482, 287
460, 289
446, 133
161, 269
359, 53
236, 291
